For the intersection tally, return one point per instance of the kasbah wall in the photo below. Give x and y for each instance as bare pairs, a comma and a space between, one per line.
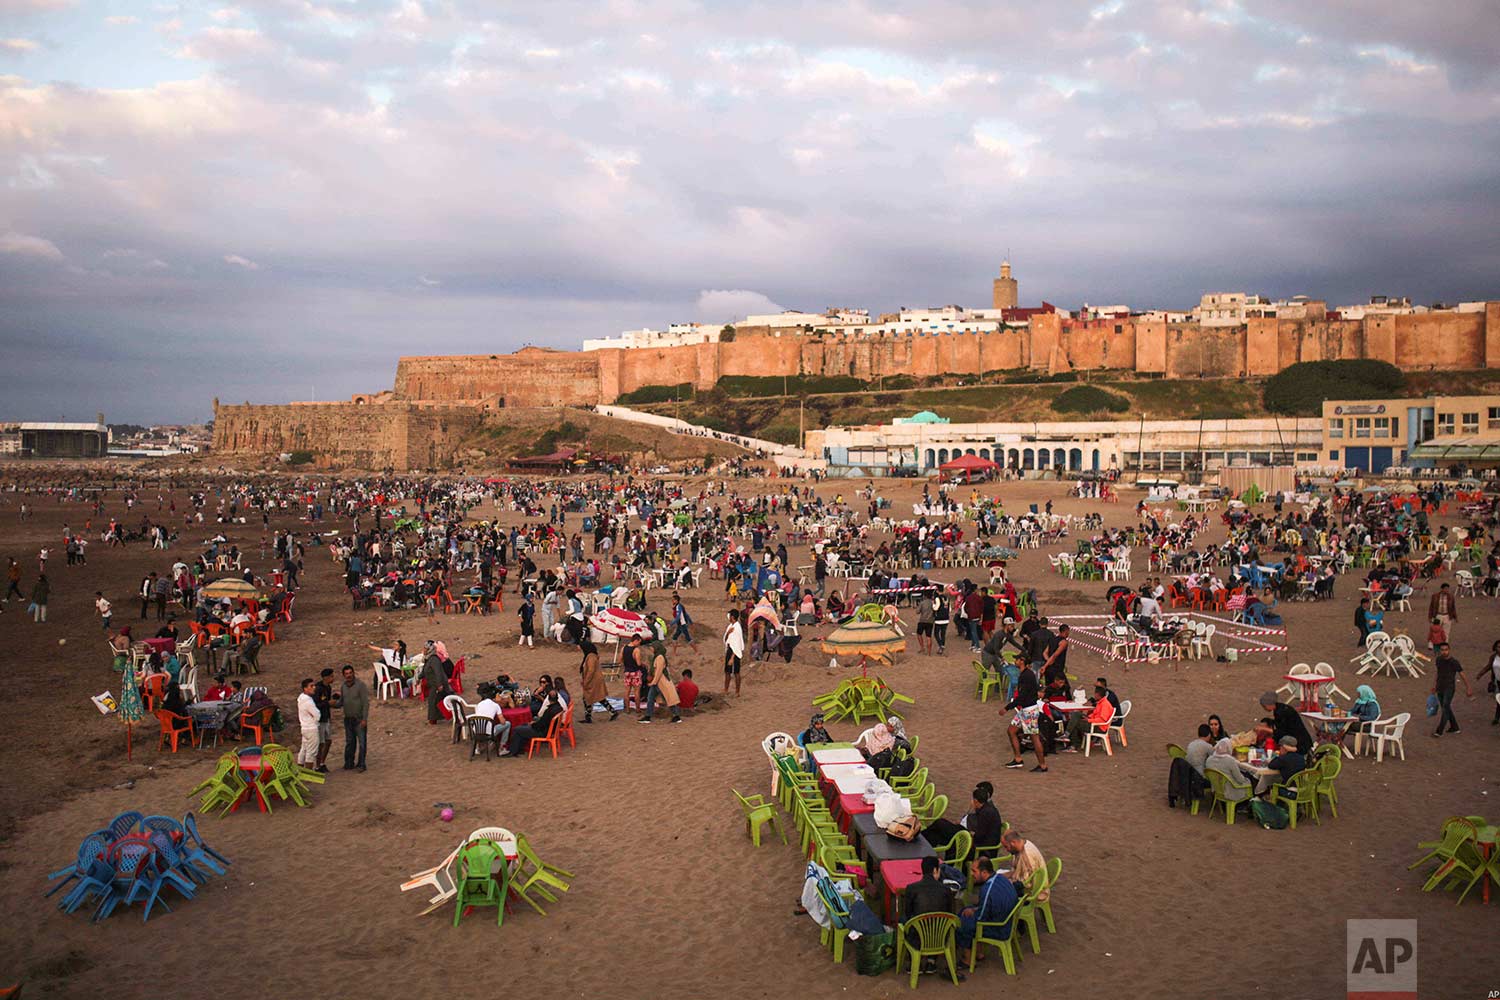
436, 400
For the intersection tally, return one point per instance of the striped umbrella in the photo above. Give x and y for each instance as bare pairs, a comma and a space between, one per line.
130, 709
621, 623
867, 640
231, 587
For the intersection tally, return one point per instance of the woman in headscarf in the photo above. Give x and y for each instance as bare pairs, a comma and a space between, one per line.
899, 739
875, 740
1365, 708
594, 690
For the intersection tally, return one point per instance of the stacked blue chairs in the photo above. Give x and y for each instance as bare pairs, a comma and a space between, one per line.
89, 851
134, 860
197, 854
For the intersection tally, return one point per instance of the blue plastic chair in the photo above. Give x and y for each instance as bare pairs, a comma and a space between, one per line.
127, 860
91, 849
123, 824
197, 852
94, 883
151, 879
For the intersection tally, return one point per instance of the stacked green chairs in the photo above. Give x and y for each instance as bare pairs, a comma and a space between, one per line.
936, 936
1219, 784
223, 788
533, 876
482, 879
1300, 795
990, 933
285, 779
758, 812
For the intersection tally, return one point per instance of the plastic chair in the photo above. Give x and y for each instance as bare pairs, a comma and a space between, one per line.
90, 849
1301, 794
937, 934
1389, 731
1329, 768
540, 877
284, 780
385, 683
1029, 905
481, 731
566, 729
833, 936
986, 680
956, 851
1117, 723
483, 879
259, 723
1456, 830
174, 727
123, 824
552, 739
758, 812
196, 852
1220, 783
1044, 906
987, 933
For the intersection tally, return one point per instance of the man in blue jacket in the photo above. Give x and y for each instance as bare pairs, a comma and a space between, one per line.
997, 897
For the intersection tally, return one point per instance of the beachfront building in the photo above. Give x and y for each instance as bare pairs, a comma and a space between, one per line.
55, 439
1372, 435
1168, 446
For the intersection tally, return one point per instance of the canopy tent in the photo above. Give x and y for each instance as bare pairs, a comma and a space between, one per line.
231, 587
1457, 450
968, 465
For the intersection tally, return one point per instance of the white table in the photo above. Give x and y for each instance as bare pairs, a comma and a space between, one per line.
843, 755
850, 779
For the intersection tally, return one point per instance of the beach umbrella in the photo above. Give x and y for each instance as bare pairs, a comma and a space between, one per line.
231, 587
1373, 489
764, 612
621, 623
130, 709
865, 639
1345, 484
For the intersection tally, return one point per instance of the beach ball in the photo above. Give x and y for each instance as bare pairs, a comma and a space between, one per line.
62, 642
446, 815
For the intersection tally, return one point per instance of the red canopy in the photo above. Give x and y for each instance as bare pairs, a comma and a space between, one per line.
968, 463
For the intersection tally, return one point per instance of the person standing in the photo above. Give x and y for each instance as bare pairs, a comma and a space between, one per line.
661, 684
161, 589
592, 682
1445, 685
148, 589
924, 623
682, 623
13, 575
40, 591
734, 654
527, 614
307, 719
101, 603
1362, 620
1444, 607
354, 698
323, 698
940, 618
435, 676
1493, 685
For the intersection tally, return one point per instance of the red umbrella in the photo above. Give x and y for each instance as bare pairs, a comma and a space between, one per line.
621, 623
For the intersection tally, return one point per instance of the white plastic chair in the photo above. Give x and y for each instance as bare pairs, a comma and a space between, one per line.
1290, 688
1321, 669
1465, 582
385, 683
1100, 733
773, 744
1203, 641
1389, 731
190, 686
1117, 724
439, 877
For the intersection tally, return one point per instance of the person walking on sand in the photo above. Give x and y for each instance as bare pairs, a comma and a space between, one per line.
734, 650
354, 698
1448, 672
13, 575
1444, 608
682, 623
595, 692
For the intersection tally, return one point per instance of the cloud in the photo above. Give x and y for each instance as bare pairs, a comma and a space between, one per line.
236, 260
120, 20
18, 45
17, 244
724, 305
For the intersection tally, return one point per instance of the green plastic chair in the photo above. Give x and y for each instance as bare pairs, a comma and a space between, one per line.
904, 786
986, 933
933, 810
1174, 751
1027, 907
985, 681
480, 881
1301, 794
223, 787
758, 812
956, 851
1329, 768
283, 780
1465, 865
1220, 783
937, 934
1044, 906
833, 936
1456, 831
533, 875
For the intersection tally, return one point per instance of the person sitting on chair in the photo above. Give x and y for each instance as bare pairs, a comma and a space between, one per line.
1080, 723
815, 733
996, 898
926, 895
490, 709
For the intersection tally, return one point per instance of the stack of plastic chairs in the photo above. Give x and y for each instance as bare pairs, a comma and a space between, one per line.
223, 788
135, 859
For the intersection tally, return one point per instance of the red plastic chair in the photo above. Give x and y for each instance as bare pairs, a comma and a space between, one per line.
153, 689
456, 682
171, 729
285, 614
567, 726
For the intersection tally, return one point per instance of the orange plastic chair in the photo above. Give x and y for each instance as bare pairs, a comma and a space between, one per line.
553, 737
260, 727
171, 729
154, 688
449, 604
285, 614
268, 632
567, 726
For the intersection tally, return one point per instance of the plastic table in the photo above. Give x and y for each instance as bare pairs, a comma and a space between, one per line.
1333, 729
882, 847
837, 755
1309, 684
894, 877
849, 779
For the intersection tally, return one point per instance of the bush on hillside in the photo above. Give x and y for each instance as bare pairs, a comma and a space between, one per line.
299, 458
792, 385
1089, 399
1300, 389
657, 394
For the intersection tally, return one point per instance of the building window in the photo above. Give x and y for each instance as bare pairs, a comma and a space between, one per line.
1361, 427
1382, 427
1493, 422
1333, 456
1307, 456
1445, 423
1471, 423
1336, 427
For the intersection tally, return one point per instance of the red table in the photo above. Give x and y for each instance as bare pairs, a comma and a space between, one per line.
251, 764
167, 645
517, 716
1309, 684
850, 806
894, 877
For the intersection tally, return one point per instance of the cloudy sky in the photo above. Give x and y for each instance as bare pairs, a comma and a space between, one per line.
274, 199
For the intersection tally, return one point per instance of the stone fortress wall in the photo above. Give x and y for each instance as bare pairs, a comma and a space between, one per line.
437, 400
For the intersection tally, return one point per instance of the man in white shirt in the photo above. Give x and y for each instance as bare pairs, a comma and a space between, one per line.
307, 718
102, 604
490, 709
1150, 609
734, 650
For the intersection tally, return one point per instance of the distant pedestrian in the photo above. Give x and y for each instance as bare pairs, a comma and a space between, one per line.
307, 719
13, 575
101, 603
323, 698
40, 591
1445, 686
734, 650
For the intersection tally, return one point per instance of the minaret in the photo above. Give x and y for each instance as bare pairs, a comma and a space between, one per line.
1005, 288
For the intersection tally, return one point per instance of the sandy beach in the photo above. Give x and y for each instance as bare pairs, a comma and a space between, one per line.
671, 900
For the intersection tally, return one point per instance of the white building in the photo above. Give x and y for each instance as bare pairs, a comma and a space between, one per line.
676, 335
1231, 308
1390, 305
783, 319
1076, 446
